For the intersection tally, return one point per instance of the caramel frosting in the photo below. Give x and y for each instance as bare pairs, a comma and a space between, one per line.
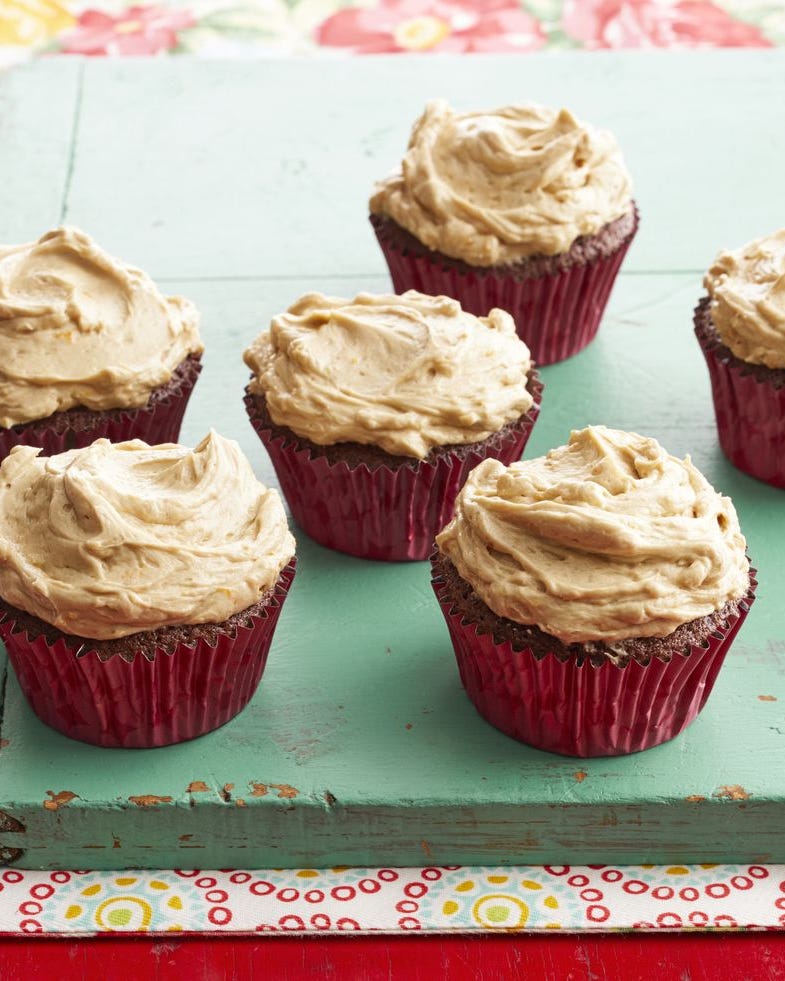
119, 538
747, 290
492, 188
79, 328
604, 539
405, 373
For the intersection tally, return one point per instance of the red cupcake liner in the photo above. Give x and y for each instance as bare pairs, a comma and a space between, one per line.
144, 703
557, 315
385, 514
156, 423
581, 709
750, 411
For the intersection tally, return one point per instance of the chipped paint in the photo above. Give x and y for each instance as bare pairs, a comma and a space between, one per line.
239, 802
767, 698
225, 793
197, 787
8, 823
695, 798
426, 847
330, 798
149, 800
60, 799
732, 792
116, 843
580, 775
4, 743
285, 792
185, 837
408, 726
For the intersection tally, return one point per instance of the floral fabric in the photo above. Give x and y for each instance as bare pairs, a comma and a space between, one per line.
243, 28
440, 900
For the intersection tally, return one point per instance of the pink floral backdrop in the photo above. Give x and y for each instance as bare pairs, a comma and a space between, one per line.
243, 28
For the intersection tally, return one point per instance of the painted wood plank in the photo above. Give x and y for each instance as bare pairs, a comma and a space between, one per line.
264, 168
360, 746
39, 107
479, 957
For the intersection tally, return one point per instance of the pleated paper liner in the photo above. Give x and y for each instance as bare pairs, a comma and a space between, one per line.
557, 315
749, 405
584, 710
386, 514
145, 702
157, 422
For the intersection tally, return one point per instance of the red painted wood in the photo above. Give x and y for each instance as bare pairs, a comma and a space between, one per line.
609, 957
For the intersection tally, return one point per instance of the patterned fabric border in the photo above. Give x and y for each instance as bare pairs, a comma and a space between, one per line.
252, 28
437, 900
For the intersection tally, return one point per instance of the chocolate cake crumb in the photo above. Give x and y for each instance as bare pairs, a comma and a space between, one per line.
463, 600
584, 250
80, 419
147, 642
356, 454
710, 340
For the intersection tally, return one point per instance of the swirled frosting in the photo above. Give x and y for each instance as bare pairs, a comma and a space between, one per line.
606, 538
79, 328
116, 539
405, 373
495, 187
747, 290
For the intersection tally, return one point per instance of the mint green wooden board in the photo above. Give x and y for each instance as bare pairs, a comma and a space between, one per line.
243, 185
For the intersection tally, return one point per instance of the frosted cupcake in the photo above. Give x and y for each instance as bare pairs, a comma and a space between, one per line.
740, 326
89, 347
139, 586
591, 594
523, 208
374, 410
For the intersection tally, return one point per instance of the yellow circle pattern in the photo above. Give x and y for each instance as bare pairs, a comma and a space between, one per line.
500, 912
124, 913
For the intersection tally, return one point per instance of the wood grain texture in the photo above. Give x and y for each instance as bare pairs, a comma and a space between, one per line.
39, 112
264, 168
636, 957
360, 713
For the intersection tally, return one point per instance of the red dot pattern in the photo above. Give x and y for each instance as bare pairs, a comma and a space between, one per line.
331, 899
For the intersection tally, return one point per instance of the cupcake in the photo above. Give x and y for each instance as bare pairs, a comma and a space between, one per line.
374, 410
740, 326
522, 208
139, 586
89, 347
591, 594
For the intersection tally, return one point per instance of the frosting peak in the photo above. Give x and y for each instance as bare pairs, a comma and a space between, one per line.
495, 187
405, 373
79, 328
747, 290
606, 538
119, 538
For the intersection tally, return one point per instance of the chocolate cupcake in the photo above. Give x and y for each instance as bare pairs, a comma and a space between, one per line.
740, 326
592, 594
522, 208
89, 347
139, 586
374, 410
